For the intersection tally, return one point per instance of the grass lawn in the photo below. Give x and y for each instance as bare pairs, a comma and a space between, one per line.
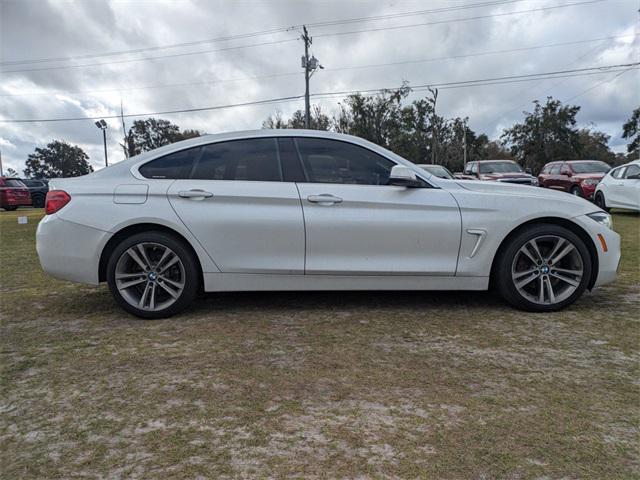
325, 385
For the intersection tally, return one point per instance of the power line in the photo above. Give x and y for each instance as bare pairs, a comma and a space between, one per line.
130, 60
261, 33
397, 27
439, 22
459, 84
615, 77
349, 67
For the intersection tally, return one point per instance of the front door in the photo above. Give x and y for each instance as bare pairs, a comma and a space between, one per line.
356, 224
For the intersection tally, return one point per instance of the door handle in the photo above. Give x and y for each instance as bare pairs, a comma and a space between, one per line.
195, 194
324, 198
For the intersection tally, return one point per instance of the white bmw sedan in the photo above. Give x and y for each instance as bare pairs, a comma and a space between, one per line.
309, 210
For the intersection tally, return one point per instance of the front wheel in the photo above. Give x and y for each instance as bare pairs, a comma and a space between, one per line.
601, 202
543, 268
577, 191
153, 275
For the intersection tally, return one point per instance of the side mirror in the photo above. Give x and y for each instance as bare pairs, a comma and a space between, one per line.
402, 176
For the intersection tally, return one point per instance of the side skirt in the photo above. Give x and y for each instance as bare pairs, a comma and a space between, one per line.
248, 282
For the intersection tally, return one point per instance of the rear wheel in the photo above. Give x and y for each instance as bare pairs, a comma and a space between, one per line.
577, 191
601, 202
10, 208
153, 275
37, 201
544, 268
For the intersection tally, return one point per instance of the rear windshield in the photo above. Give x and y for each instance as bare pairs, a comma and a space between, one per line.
12, 182
590, 167
500, 167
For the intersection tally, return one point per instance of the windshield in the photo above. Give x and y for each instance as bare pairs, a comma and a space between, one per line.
590, 167
437, 170
500, 167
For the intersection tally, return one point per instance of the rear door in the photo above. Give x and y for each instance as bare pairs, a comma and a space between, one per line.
356, 224
237, 205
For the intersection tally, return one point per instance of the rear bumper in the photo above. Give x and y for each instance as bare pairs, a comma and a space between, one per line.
70, 251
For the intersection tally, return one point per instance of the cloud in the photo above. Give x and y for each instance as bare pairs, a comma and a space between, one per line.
41, 29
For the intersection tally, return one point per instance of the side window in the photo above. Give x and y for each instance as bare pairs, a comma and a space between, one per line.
467, 169
617, 173
474, 169
564, 170
632, 170
173, 166
255, 159
546, 169
333, 161
555, 169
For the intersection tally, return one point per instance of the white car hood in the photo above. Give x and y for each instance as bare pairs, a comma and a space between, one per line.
563, 200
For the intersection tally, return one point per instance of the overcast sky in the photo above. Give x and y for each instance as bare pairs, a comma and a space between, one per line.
86, 30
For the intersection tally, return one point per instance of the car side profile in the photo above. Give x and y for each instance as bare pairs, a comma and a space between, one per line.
506, 171
307, 210
620, 188
578, 177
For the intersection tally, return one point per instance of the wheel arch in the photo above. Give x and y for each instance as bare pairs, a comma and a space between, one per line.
141, 228
563, 222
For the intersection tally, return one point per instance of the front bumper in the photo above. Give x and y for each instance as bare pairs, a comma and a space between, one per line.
70, 251
608, 260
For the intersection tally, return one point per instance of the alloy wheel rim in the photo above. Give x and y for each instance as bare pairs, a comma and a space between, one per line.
150, 276
547, 269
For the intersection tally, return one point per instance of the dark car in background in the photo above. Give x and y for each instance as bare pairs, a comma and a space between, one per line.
13, 194
506, 171
38, 189
578, 177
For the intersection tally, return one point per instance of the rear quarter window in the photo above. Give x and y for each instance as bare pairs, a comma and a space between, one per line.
174, 166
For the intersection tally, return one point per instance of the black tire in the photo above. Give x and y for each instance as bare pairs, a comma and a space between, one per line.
184, 253
11, 208
601, 202
577, 191
37, 201
503, 271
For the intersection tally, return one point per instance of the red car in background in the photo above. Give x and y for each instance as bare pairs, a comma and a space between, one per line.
13, 194
578, 177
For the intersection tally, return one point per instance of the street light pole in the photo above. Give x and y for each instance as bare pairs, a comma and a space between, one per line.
102, 125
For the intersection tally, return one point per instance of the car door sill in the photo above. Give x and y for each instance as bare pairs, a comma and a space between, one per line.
246, 282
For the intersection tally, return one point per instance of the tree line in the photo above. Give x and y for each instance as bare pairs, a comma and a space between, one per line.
413, 130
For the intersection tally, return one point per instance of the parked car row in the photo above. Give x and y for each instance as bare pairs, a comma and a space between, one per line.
16, 192
591, 179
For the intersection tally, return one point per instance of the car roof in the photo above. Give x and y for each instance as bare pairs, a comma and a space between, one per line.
494, 161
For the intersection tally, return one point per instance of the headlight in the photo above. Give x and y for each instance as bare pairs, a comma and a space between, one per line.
590, 181
602, 218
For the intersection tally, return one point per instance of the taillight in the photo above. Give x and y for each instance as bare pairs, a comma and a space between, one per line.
56, 199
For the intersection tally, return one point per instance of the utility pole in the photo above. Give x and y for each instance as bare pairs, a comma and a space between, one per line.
124, 132
310, 65
1, 170
307, 107
464, 143
434, 136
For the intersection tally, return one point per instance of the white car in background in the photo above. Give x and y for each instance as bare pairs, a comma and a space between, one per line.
620, 188
309, 210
